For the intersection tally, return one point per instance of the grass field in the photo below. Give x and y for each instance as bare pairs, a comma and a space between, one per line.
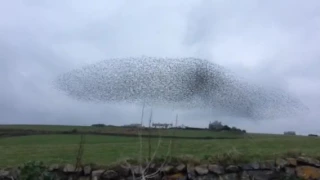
107, 149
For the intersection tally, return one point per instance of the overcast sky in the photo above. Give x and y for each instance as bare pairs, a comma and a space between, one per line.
274, 43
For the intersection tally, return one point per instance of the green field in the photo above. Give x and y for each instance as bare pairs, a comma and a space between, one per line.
101, 149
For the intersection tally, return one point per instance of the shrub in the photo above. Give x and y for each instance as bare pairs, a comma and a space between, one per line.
98, 125
35, 170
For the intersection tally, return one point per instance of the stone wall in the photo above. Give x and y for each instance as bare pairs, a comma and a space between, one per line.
287, 168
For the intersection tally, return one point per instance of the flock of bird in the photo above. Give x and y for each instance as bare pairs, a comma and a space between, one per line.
178, 82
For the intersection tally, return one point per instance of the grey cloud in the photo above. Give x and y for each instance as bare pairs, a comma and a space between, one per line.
271, 43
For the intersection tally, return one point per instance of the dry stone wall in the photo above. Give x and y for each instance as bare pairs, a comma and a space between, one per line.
286, 169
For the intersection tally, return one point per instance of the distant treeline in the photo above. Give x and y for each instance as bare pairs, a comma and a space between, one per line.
102, 125
189, 128
98, 125
223, 128
228, 128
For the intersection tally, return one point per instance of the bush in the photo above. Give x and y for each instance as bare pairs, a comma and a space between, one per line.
35, 170
227, 128
98, 125
313, 135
